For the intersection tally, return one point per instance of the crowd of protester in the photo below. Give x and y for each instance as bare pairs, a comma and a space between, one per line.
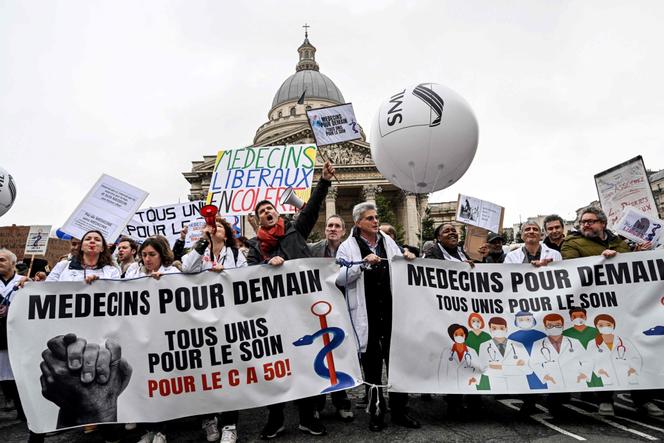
366, 286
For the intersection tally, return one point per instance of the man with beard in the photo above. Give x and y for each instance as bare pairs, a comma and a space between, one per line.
126, 254
278, 240
554, 226
594, 239
532, 251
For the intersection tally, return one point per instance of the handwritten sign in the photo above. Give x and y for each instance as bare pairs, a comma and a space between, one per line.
483, 214
244, 177
625, 185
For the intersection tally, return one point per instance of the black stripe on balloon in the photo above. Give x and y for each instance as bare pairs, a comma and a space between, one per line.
12, 188
433, 100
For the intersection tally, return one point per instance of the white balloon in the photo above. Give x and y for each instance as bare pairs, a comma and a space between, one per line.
424, 138
7, 191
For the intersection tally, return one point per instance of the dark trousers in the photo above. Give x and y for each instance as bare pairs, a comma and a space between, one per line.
378, 350
639, 397
340, 400
305, 407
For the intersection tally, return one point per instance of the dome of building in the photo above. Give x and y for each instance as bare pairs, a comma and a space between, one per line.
307, 80
316, 85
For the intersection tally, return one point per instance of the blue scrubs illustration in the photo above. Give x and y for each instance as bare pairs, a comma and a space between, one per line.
526, 335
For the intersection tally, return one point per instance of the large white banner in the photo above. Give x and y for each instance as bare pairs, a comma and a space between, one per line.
334, 124
151, 350
107, 207
625, 185
579, 325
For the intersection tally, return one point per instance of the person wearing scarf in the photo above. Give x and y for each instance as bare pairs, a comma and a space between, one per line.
276, 241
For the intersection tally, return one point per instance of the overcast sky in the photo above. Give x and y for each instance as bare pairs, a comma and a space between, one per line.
139, 89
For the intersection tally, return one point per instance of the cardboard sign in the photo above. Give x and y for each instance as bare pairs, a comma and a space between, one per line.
244, 177
107, 207
334, 124
37, 240
483, 214
625, 185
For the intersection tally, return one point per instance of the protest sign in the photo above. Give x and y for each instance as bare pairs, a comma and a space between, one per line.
37, 240
243, 177
625, 185
483, 214
182, 345
334, 124
107, 207
168, 220
639, 226
577, 326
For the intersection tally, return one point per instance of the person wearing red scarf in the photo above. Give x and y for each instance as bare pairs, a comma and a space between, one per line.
276, 241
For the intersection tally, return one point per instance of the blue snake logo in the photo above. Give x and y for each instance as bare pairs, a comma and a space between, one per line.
343, 380
656, 330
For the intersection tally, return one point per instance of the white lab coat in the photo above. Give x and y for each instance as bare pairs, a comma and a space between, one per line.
7, 291
353, 280
518, 255
564, 367
512, 376
195, 262
137, 271
616, 362
452, 371
64, 272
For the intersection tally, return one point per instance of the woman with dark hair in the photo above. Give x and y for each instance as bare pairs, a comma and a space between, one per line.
91, 261
215, 251
156, 259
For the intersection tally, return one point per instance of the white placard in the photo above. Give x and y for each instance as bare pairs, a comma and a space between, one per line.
334, 124
107, 207
625, 185
475, 212
37, 240
639, 226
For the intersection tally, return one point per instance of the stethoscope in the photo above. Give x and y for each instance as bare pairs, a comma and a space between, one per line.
493, 353
467, 359
547, 357
620, 350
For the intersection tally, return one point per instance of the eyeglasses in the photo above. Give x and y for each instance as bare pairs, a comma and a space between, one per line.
371, 217
589, 222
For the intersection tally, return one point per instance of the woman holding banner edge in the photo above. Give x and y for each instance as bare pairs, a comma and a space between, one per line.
216, 253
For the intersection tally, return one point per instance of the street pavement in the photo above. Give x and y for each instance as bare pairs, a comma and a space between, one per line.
498, 420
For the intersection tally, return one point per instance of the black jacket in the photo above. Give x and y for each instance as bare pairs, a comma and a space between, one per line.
294, 242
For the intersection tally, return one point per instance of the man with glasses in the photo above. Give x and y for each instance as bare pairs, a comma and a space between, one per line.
370, 301
594, 239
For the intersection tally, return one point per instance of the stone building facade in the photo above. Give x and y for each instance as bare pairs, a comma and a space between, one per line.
358, 178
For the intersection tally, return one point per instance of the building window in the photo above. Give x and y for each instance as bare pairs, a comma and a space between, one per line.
308, 107
279, 115
292, 110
